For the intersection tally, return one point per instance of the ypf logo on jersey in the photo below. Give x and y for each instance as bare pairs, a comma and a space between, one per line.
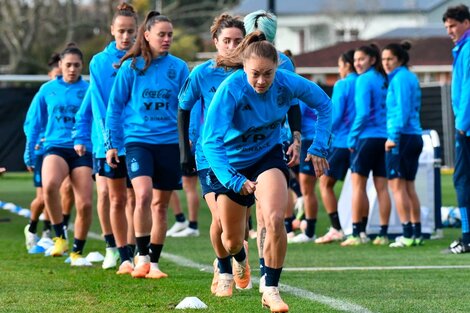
81, 94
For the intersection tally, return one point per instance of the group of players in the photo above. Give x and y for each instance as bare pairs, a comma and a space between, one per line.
145, 125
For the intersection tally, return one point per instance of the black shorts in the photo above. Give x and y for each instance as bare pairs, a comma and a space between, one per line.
71, 157
402, 161
369, 156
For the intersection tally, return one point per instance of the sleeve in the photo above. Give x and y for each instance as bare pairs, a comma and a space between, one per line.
219, 116
362, 99
97, 100
462, 120
401, 110
314, 97
339, 101
36, 120
118, 98
81, 133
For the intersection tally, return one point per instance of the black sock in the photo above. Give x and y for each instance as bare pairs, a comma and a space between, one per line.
288, 224
466, 238
131, 249
124, 254
416, 230
59, 230
241, 255
364, 224
143, 244
295, 186
310, 231
155, 251
225, 265
356, 229
334, 219
407, 230
250, 223
261, 267
272, 276
110, 241
383, 230
193, 224
78, 245
66, 220
47, 225
180, 217
33, 226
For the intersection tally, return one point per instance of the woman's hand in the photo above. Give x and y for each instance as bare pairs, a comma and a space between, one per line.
80, 149
389, 145
249, 187
112, 158
294, 154
320, 164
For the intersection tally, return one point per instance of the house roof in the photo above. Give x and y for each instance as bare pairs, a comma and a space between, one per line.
424, 51
415, 32
328, 6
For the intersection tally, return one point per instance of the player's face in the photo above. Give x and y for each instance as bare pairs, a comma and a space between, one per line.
159, 38
343, 68
71, 66
389, 61
362, 62
54, 72
124, 31
456, 29
260, 72
228, 39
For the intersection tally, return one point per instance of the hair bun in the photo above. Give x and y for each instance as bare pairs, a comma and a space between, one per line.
125, 7
406, 45
71, 45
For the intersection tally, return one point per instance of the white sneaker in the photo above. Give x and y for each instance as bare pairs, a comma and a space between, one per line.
78, 260
332, 235
46, 234
364, 238
177, 227
301, 238
110, 259
187, 232
31, 238
262, 283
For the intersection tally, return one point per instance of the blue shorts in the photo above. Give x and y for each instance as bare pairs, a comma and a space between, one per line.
160, 162
339, 160
71, 157
204, 179
306, 167
37, 178
272, 159
103, 169
369, 156
402, 161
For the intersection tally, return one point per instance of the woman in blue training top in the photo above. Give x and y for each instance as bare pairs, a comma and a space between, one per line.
227, 32
366, 141
111, 182
339, 158
404, 142
241, 140
266, 22
143, 103
57, 103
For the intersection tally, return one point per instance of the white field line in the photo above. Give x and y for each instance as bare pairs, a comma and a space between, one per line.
373, 268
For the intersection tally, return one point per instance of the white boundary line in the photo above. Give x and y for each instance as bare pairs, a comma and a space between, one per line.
373, 268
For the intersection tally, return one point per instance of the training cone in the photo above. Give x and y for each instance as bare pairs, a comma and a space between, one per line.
94, 257
191, 303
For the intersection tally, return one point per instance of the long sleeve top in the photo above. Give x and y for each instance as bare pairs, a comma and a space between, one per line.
460, 92
343, 110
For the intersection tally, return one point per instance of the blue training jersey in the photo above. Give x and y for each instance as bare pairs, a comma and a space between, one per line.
343, 110
84, 128
102, 77
309, 121
196, 96
242, 125
57, 103
285, 63
370, 120
145, 104
38, 147
460, 91
403, 104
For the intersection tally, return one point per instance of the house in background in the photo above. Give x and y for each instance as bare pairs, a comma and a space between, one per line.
307, 25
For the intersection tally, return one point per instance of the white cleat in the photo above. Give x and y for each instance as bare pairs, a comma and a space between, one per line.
332, 235
187, 232
177, 227
110, 259
31, 238
78, 260
301, 238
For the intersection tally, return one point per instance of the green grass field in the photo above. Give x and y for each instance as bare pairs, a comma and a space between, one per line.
34, 283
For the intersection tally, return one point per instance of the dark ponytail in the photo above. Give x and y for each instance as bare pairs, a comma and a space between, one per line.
400, 51
372, 50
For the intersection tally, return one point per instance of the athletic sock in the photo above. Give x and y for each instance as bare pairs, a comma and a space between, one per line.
66, 219
356, 229
417, 230
47, 225
272, 276
364, 224
241, 255
295, 186
407, 230
33, 226
180, 217
383, 230
192, 225
250, 223
124, 254
310, 231
110, 241
334, 219
262, 270
288, 223
143, 244
131, 249
225, 265
155, 251
78, 245
59, 230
